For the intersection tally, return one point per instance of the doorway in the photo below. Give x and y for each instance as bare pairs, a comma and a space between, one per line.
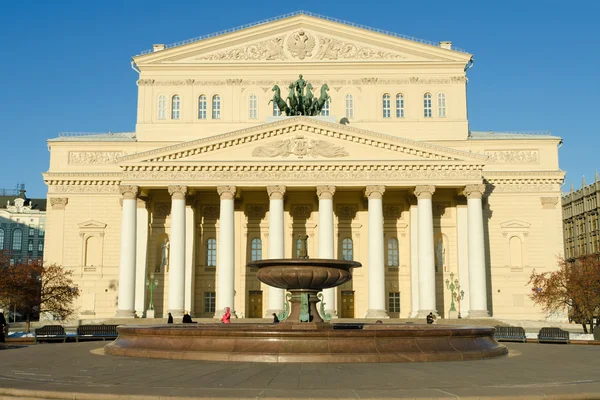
347, 304
255, 304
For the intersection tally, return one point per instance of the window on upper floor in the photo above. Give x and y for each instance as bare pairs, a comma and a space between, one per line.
202, 107
349, 106
17, 241
162, 107
392, 253
31, 231
256, 250
386, 106
30, 246
347, 249
253, 107
325, 109
40, 247
1, 239
441, 105
276, 110
216, 107
399, 105
427, 105
175, 107
211, 252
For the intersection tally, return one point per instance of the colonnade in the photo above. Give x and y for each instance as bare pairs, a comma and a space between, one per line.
422, 279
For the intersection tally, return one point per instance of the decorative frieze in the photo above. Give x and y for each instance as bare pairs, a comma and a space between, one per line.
334, 49
300, 146
271, 49
94, 157
112, 189
59, 203
145, 82
513, 156
525, 188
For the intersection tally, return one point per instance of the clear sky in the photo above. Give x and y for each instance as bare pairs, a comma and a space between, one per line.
65, 65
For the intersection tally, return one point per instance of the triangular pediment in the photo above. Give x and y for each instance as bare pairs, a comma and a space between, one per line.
515, 224
91, 225
302, 38
303, 139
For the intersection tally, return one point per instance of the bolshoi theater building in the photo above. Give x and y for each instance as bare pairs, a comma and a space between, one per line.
304, 131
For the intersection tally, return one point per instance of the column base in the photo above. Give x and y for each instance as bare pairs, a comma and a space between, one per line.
125, 314
377, 314
269, 312
478, 314
413, 314
425, 313
149, 313
175, 313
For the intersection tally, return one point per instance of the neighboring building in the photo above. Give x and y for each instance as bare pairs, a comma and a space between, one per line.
389, 175
580, 220
22, 226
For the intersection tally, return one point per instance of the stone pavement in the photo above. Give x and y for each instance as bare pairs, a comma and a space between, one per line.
79, 371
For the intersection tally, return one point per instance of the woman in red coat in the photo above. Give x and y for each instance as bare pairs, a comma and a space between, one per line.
226, 317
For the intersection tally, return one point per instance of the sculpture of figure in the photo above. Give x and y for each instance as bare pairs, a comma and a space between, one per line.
304, 309
299, 86
303, 251
164, 260
292, 100
308, 99
281, 104
320, 103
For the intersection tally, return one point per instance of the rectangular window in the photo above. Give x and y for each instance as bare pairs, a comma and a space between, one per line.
211, 252
209, 302
386, 106
399, 106
394, 302
31, 231
30, 246
40, 247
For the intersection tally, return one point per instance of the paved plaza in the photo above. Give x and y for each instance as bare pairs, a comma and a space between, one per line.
81, 371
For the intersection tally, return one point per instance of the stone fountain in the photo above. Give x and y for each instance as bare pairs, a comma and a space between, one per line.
304, 336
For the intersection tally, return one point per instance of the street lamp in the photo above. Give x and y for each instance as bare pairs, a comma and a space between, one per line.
151, 284
455, 292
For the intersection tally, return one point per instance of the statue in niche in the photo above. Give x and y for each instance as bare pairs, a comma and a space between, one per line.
302, 248
440, 254
164, 255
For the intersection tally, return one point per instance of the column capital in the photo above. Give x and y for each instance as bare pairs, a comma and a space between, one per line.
375, 192
325, 192
276, 192
226, 192
58, 203
129, 192
178, 192
474, 191
424, 191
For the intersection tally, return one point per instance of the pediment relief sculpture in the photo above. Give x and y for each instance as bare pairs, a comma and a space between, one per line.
334, 49
300, 146
271, 49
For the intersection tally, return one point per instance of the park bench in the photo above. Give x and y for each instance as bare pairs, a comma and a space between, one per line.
50, 332
510, 334
96, 332
553, 335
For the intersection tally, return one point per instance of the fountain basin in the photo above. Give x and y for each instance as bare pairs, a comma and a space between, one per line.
316, 343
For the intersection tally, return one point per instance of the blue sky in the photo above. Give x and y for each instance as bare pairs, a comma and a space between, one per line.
65, 65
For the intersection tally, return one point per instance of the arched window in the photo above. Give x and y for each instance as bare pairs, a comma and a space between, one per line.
325, 109
427, 105
253, 107
392, 253
276, 110
441, 105
399, 105
202, 107
347, 249
211, 252
17, 242
256, 251
1, 239
386, 106
175, 107
349, 106
162, 107
216, 107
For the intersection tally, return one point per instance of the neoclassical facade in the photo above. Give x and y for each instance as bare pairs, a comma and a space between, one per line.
388, 174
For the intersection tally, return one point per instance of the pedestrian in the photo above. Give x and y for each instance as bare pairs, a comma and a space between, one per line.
170, 319
3, 326
430, 318
187, 318
226, 317
275, 319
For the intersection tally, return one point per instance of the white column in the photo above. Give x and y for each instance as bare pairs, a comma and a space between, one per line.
463, 256
276, 248
414, 261
177, 251
326, 244
190, 276
426, 256
477, 278
376, 308
226, 252
141, 257
126, 301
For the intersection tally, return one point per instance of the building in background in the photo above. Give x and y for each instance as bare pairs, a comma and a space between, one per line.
580, 220
388, 174
22, 225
